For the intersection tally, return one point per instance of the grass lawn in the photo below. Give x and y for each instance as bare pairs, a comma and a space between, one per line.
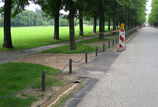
29, 37
92, 40
17, 76
66, 49
81, 47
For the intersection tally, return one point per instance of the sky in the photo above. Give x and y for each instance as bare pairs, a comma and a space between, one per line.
32, 7
148, 8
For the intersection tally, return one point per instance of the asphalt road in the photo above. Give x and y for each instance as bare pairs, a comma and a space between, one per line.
132, 79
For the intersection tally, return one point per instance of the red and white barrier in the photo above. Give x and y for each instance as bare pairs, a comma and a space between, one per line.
121, 41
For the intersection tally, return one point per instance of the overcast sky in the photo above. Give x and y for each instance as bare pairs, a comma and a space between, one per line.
32, 7
148, 9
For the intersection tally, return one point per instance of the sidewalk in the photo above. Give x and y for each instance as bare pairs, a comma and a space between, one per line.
132, 79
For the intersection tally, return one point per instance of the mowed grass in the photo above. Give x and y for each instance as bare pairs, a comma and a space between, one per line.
29, 37
81, 48
17, 76
106, 37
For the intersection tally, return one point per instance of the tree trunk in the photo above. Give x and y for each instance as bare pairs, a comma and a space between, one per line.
125, 23
114, 22
135, 23
128, 23
95, 24
81, 22
117, 24
56, 26
131, 26
109, 23
7, 24
71, 26
104, 24
132, 23
101, 20
56, 20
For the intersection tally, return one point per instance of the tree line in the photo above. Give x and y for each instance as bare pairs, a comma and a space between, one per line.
153, 17
28, 18
130, 12
37, 18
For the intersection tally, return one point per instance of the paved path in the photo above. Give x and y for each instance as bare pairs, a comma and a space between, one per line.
7, 56
132, 79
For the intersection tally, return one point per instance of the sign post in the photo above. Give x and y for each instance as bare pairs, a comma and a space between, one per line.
121, 38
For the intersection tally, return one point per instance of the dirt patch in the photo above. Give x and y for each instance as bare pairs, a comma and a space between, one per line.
57, 61
97, 44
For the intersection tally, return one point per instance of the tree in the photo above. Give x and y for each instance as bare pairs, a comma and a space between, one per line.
7, 21
11, 8
70, 5
81, 21
101, 18
130, 12
81, 5
52, 9
30, 18
153, 17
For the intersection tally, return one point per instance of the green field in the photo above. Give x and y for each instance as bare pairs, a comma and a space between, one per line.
29, 37
17, 76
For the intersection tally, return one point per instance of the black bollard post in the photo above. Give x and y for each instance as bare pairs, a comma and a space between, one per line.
108, 44
103, 47
86, 57
96, 53
70, 66
43, 80
113, 43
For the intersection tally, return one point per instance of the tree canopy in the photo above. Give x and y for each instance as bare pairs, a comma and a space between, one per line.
153, 17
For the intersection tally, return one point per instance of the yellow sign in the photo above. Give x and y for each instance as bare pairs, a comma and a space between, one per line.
122, 26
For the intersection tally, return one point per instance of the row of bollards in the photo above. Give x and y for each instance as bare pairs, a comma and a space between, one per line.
86, 61
96, 53
43, 80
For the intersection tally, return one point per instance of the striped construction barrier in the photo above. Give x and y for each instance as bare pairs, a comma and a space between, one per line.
122, 42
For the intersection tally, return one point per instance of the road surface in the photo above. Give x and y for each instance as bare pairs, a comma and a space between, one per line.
132, 79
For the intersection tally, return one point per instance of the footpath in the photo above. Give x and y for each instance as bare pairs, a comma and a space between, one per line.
6, 56
130, 81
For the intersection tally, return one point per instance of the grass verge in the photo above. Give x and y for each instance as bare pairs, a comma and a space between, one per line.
93, 40
66, 49
17, 76
81, 47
